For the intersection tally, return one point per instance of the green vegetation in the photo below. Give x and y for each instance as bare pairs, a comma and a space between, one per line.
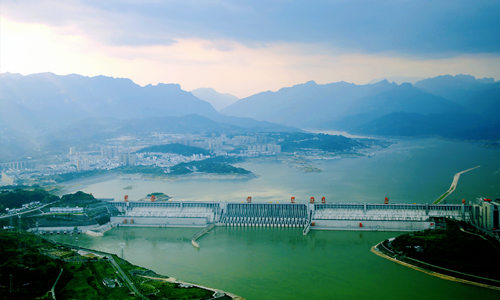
215, 165
158, 288
209, 165
159, 196
16, 198
96, 211
438, 200
299, 141
175, 148
24, 272
79, 198
71, 176
452, 248
84, 280
146, 170
30, 266
156, 194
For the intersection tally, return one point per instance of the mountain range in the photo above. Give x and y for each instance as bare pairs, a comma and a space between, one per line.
47, 112
458, 106
43, 112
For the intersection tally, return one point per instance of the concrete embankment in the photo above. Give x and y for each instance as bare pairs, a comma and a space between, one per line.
99, 231
435, 270
453, 185
200, 234
306, 229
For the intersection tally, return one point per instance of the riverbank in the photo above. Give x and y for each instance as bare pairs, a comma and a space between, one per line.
376, 250
268, 263
450, 254
48, 267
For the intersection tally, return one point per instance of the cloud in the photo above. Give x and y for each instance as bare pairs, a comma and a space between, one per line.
225, 65
419, 28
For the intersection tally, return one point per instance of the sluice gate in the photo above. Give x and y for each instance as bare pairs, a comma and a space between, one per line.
334, 216
265, 214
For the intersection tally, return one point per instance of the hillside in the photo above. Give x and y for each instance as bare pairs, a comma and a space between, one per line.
32, 267
481, 96
451, 106
45, 112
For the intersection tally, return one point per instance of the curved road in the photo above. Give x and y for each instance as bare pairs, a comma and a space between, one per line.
27, 211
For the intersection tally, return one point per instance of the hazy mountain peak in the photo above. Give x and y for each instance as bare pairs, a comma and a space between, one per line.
168, 85
218, 100
455, 80
310, 83
383, 82
10, 75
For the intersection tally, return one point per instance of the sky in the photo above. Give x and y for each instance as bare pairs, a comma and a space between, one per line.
245, 47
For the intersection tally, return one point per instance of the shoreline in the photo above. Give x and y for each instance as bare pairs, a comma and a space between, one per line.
166, 279
376, 251
174, 280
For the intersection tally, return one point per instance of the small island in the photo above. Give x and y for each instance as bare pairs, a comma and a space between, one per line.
457, 252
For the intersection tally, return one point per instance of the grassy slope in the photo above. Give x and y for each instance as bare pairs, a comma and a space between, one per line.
33, 264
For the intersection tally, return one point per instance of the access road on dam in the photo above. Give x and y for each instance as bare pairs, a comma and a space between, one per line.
453, 185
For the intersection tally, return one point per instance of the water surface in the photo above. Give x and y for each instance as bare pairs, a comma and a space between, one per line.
272, 263
411, 171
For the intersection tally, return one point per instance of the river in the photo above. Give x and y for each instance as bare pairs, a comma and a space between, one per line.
409, 171
272, 263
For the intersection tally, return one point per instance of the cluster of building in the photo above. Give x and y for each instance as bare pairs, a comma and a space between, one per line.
123, 152
66, 210
165, 159
24, 207
486, 214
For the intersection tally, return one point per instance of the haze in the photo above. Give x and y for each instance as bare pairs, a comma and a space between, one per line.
247, 47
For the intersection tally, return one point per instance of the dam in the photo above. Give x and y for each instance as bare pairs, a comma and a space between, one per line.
325, 216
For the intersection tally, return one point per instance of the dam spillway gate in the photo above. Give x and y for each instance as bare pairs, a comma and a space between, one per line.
333, 216
265, 214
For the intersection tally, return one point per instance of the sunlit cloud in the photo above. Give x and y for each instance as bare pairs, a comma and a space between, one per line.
225, 65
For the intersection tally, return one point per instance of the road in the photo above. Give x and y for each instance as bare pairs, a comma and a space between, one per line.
453, 185
27, 211
125, 277
52, 290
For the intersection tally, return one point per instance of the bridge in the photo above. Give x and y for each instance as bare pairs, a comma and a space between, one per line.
328, 216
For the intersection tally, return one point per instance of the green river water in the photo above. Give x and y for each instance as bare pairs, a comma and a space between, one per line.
413, 171
266, 263
271, 263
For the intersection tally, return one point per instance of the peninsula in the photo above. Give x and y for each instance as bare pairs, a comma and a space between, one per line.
458, 253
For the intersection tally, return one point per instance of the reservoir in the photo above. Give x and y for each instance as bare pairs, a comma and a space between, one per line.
274, 263
408, 171
278, 263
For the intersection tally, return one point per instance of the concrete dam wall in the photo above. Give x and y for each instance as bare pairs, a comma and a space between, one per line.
331, 216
